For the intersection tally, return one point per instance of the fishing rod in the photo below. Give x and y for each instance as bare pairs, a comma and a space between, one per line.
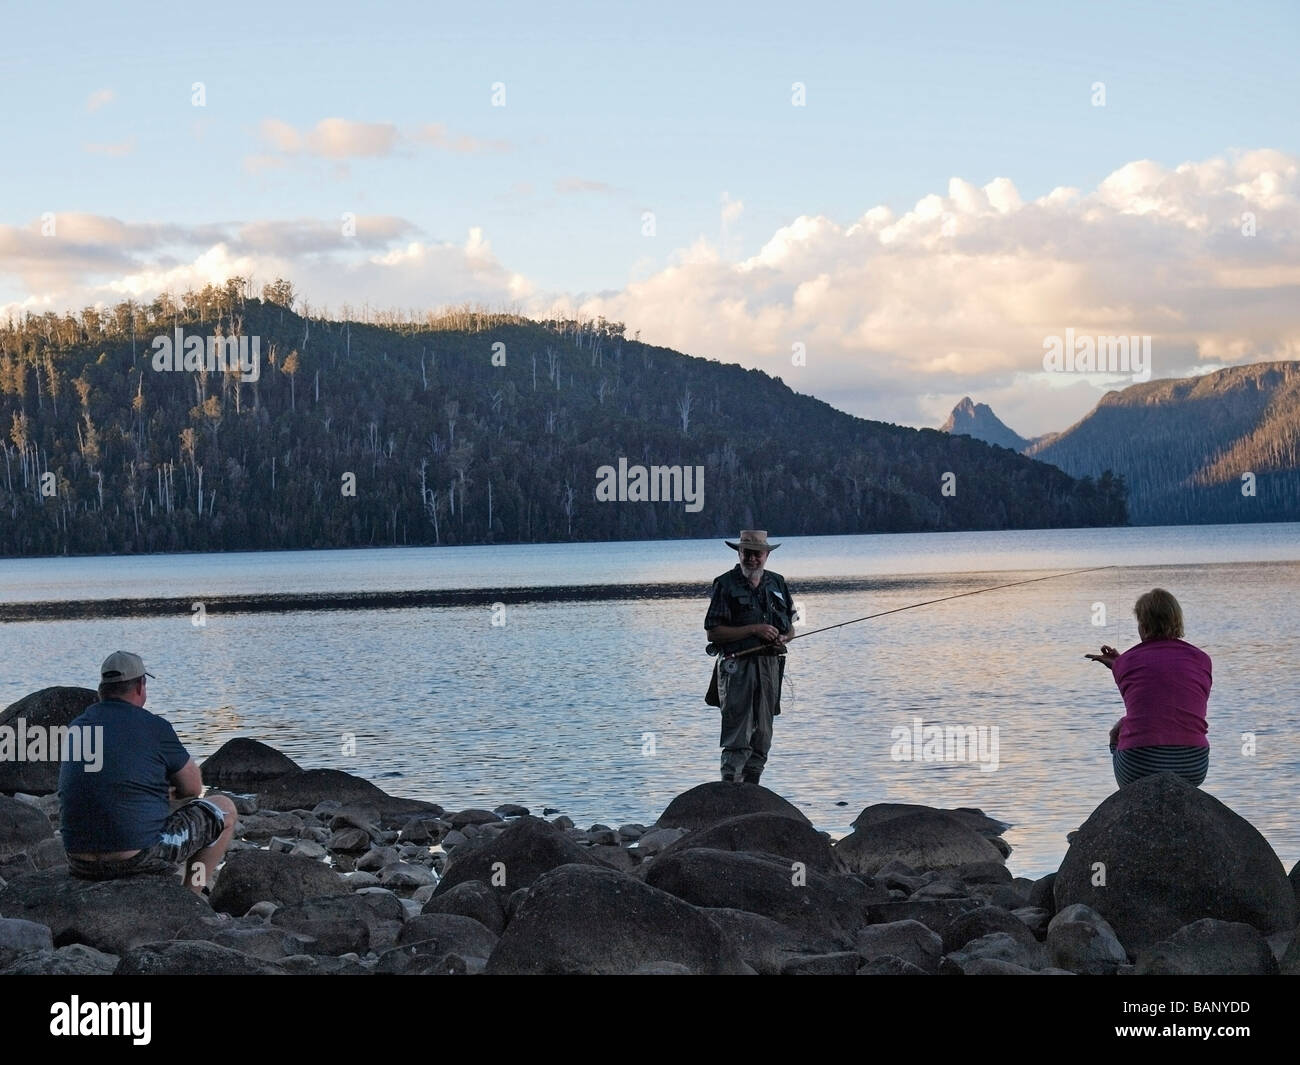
713, 650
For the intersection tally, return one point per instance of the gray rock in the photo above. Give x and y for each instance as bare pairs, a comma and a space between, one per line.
47, 708
423, 831
768, 833
443, 933
76, 959
805, 899
471, 898
21, 827
631, 832
563, 823
656, 839
1173, 854
890, 965
942, 889
707, 804
18, 936
246, 765
192, 958
1042, 896
376, 858
921, 837
268, 825
366, 920
604, 838
1080, 939
983, 873
1289, 963
310, 787
1209, 947
841, 963
984, 967
348, 840
589, 919
616, 857
305, 848
510, 809
49, 854
402, 876
527, 848
268, 944
981, 922
262, 910
249, 877
974, 819
453, 839
661, 968
110, 915
1034, 919
999, 947
472, 816
766, 945
358, 880
908, 940
935, 914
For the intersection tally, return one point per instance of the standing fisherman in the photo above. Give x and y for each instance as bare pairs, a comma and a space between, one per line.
751, 608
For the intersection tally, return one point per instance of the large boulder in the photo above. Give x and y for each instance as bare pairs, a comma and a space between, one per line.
47, 708
920, 837
974, 819
22, 827
984, 921
449, 933
245, 765
767, 833
306, 788
765, 945
590, 919
1209, 948
471, 898
1080, 940
707, 804
525, 850
249, 877
343, 924
1172, 854
192, 958
830, 906
76, 959
110, 915
908, 940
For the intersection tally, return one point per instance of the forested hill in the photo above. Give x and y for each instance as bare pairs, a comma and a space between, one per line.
1223, 447
410, 432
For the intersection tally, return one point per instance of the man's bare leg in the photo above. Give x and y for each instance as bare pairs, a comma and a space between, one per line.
202, 866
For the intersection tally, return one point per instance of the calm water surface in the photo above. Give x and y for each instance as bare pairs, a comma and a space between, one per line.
596, 708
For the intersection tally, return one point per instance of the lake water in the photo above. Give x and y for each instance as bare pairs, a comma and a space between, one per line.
596, 707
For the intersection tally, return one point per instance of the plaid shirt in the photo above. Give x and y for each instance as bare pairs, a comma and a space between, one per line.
736, 602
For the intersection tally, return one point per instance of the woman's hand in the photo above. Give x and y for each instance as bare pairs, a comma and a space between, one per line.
1114, 733
1106, 658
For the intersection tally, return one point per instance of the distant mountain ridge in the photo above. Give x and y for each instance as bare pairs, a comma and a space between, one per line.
1221, 447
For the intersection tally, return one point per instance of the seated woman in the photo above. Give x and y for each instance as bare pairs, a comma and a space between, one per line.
1165, 683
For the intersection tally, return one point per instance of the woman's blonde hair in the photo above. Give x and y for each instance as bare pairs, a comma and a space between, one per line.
1159, 615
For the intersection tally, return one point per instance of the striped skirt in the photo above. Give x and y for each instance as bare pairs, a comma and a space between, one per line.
1190, 763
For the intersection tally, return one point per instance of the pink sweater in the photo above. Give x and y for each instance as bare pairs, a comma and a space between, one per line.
1165, 685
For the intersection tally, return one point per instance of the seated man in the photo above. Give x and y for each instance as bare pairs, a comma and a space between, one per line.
117, 819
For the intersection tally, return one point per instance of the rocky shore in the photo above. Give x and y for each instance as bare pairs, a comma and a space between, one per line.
331, 875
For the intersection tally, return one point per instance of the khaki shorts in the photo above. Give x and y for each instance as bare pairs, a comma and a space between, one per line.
187, 830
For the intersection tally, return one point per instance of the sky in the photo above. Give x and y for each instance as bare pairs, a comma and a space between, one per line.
888, 206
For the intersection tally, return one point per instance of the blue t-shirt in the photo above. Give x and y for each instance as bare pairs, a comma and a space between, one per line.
123, 805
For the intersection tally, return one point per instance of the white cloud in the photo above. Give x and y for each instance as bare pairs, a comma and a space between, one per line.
99, 98
901, 314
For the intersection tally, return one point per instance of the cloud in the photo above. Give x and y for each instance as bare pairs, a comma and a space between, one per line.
573, 185
332, 138
437, 135
900, 313
731, 209
116, 150
99, 98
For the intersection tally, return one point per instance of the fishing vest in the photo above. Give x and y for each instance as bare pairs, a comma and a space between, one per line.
736, 602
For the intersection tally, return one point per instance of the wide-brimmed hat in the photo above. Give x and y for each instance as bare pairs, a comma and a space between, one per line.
754, 538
